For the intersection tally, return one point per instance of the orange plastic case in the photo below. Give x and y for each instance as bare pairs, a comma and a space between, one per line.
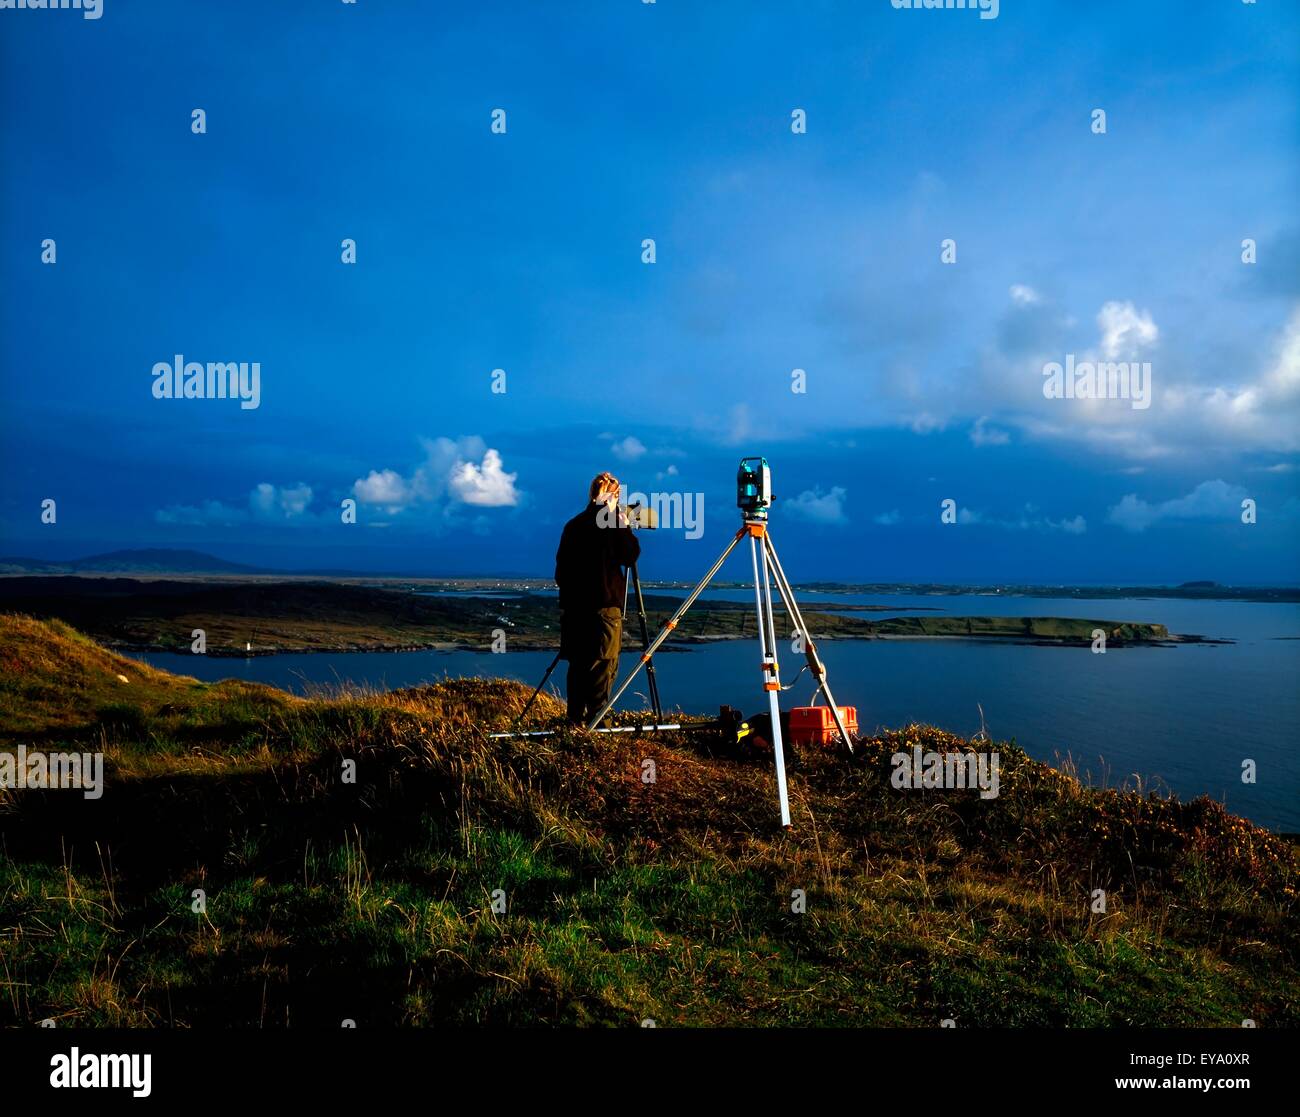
814, 725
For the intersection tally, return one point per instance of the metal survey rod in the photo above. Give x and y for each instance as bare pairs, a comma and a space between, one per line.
656, 728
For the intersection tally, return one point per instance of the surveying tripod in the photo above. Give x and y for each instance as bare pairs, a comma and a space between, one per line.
760, 539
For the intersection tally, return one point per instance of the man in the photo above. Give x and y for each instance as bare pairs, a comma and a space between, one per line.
596, 548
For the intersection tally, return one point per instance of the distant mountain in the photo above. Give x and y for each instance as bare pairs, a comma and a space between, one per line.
161, 560
31, 566
168, 560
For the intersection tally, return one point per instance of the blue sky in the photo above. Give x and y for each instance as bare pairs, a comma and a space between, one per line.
775, 251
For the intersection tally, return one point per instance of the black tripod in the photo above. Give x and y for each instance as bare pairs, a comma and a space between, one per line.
653, 683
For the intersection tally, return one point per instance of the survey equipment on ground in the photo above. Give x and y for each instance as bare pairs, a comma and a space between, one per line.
754, 498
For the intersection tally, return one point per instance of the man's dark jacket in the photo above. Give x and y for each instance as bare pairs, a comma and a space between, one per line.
589, 564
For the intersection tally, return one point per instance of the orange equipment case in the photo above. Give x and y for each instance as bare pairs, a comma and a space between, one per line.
814, 725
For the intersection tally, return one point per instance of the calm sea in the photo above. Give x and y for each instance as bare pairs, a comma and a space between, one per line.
1182, 718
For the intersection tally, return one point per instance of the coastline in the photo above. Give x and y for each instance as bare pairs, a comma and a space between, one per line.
681, 644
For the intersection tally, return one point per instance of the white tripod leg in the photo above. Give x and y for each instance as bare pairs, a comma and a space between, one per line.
810, 649
771, 672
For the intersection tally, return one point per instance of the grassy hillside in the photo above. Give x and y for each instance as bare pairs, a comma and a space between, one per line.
626, 900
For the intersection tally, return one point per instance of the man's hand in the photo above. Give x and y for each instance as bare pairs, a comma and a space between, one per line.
619, 517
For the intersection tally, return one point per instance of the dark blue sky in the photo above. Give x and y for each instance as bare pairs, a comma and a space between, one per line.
775, 251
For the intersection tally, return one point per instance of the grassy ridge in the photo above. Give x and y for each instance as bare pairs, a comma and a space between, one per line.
624, 899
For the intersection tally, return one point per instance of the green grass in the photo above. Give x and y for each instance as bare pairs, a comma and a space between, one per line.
373, 900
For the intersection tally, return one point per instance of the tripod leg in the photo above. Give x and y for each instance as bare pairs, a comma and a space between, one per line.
652, 682
529, 704
771, 672
667, 629
815, 664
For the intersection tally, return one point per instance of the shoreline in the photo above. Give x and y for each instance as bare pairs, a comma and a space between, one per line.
682, 644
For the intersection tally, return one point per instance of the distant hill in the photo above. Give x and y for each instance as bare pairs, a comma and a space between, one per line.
164, 560
161, 560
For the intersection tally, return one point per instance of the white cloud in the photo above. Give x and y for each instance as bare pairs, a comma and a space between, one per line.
1125, 330
888, 519
982, 435
629, 450
453, 473
1202, 398
487, 485
818, 507
1132, 514
386, 487
1262, 413
925, 423
1022, 295
1210, 500
266, 502
1282, 381
1028, 520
